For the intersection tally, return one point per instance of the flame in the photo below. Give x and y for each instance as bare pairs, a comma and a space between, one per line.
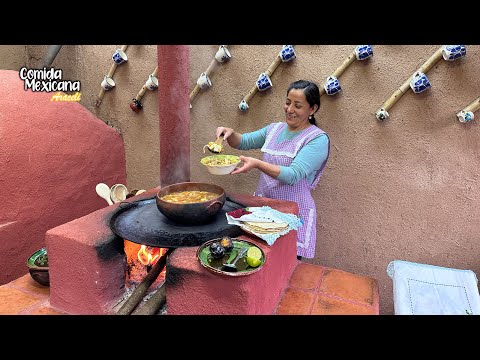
147, 254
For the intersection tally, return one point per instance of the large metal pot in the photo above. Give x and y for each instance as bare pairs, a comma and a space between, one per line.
195, 213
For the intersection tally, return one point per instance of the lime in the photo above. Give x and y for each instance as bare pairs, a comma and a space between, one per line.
254, 256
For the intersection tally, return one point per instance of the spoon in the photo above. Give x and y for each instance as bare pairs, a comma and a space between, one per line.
215, 147
104, 192
231, 266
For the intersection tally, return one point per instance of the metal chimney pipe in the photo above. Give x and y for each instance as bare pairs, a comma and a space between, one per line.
50, 56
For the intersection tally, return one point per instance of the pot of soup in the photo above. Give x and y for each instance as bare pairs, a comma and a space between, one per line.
191, 203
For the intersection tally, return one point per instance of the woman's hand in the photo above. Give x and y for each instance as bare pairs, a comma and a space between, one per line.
249, 163
230, 136
227, 132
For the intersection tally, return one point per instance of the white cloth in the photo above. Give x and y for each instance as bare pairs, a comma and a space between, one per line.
421, 289
266, 214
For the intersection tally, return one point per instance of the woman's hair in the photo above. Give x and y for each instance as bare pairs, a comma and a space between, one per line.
312, 94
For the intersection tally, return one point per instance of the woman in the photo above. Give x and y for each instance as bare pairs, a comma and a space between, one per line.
295, 153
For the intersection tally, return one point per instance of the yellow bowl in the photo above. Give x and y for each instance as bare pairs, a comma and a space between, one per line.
220, 164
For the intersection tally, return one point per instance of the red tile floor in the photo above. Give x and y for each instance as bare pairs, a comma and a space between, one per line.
312, 290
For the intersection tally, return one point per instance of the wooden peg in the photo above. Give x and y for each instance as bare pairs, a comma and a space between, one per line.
273, 66
136, 104
340, 70
382, 112
196, 89
110, 75
466, 114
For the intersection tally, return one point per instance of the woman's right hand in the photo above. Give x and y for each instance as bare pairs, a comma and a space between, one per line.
226, 132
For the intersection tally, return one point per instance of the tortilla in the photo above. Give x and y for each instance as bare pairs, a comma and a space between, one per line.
267, 225
265, 228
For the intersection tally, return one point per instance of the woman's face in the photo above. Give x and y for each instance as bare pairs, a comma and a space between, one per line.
297, 110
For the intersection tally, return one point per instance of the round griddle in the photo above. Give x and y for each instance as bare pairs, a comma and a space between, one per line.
142, 222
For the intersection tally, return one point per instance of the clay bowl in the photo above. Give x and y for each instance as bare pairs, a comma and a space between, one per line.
37, 265
229, 163
191, 213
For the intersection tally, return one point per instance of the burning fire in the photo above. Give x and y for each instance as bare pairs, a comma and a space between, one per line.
148, 254
140, 259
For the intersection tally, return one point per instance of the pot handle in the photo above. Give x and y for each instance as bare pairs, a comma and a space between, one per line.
214, 203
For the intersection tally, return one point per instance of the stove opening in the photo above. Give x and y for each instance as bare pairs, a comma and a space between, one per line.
140, 260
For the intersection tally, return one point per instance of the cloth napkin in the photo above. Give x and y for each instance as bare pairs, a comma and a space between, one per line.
423, 289
264, 214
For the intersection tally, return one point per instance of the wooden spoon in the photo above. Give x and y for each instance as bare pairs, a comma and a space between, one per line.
104, 192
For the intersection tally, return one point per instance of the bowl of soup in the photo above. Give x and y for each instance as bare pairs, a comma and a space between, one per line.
190, 203
220, 164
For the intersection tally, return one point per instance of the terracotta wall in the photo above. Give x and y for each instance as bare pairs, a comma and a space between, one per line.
406, 188
52, 156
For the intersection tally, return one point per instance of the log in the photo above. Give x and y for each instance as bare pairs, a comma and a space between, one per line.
137, 295
152, 305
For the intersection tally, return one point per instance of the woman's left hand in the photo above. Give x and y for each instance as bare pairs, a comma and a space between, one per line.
249, 163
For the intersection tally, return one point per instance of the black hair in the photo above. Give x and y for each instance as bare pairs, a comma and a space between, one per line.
312, 94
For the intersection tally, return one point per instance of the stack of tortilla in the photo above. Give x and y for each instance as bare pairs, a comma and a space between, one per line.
264, 222
264, 227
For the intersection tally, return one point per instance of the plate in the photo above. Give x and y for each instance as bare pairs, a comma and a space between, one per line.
215, 265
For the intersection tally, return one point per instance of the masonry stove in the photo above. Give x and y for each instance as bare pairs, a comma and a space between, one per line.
93, 270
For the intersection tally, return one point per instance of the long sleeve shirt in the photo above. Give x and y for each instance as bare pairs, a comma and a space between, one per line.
309, 158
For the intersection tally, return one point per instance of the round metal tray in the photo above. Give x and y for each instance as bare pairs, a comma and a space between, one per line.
141, 222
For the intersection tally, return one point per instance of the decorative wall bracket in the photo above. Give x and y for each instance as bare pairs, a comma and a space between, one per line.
150, 84
263, 82
449, 53
118, 57
466, 115
204, 82
332, 85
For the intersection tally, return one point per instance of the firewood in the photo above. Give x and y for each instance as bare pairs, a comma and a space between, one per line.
152, 305
137, 295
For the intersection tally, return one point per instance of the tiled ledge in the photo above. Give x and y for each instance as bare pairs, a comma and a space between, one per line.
317, 290
24, 296
312, 290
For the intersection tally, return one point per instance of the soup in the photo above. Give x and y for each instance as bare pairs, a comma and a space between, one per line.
188, 197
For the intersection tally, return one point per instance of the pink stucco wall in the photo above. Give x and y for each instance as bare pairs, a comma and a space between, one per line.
52, 154
405, 189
